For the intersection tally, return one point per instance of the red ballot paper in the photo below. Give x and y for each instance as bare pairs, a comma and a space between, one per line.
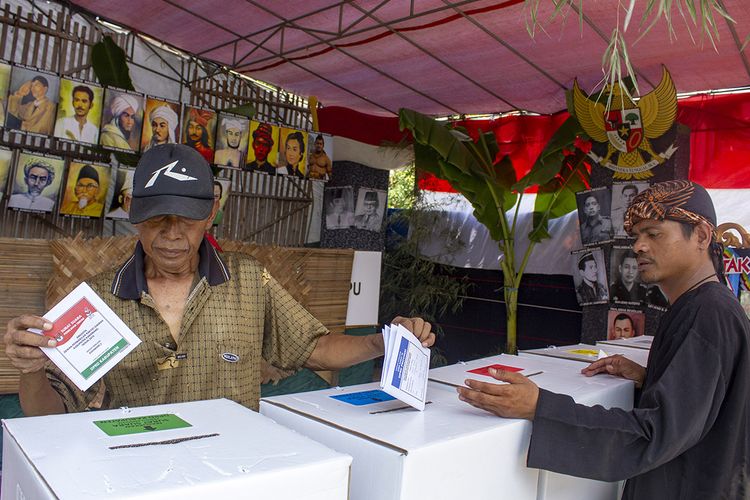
485, 370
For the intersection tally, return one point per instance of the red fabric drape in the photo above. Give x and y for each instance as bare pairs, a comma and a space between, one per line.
719, 139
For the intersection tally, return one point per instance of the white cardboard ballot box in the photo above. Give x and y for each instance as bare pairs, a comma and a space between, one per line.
448, 451
588, 353
198, 450
561, 376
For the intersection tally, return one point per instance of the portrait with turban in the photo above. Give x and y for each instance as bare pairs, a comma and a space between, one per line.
161, 123
198, 131
232, 140
122, 119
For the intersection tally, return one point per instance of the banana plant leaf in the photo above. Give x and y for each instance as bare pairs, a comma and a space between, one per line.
558, 196
110, 64
474, 188
470, 167
449, 144
547, 165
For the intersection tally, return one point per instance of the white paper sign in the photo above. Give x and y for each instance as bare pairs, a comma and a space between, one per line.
364, 291
91, 338
405, 366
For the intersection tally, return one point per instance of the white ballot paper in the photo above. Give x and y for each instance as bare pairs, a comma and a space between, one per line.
91, 338
405, 366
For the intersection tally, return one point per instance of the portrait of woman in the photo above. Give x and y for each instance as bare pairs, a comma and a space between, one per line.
292, 152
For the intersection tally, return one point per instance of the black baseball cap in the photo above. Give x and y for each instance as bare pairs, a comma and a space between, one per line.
172, 179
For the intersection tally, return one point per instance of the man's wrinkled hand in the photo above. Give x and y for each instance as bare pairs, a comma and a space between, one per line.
22, 347
515, 399
419, 327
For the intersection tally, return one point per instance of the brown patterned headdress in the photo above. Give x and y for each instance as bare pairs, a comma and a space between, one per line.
681, 201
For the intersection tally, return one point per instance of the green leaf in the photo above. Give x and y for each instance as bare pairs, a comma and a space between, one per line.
550, 160
447, 144
474, 188
558, 196
110, 64
247, 110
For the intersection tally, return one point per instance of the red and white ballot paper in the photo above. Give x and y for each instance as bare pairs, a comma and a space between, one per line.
405, 366
91, 338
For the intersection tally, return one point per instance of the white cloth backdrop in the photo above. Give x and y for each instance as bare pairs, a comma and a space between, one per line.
477, 250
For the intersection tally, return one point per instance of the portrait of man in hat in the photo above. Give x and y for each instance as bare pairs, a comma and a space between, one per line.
339, 208
36, 182
123, 116
370, 208
87, 184
161, 125
589, 278
232, 139
264, 138
198, 131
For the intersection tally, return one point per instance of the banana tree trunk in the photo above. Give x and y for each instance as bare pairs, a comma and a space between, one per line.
511, 310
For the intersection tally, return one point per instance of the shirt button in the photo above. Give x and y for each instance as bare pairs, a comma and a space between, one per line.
170, 345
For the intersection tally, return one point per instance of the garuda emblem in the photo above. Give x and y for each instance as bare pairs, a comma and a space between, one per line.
627, 127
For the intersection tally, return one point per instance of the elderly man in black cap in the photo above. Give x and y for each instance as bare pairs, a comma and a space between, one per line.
205, 320
687, 437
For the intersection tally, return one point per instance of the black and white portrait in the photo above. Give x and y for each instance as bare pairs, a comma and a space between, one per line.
622, 196
339, 203
625, 285
593, 215
590, 277
370, 209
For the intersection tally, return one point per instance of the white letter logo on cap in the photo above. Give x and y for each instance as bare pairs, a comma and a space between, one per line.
167, 169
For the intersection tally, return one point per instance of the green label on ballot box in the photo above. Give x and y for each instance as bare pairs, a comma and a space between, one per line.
138, 425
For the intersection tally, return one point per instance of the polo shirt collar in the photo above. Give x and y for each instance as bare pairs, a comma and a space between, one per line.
130, 280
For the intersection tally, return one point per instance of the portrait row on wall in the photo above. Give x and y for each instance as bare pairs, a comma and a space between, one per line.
44, 183
342, 211
601, 211
622, 286
42, 103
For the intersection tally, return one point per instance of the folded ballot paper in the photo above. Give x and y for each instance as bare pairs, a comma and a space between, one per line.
91, 338
405, 366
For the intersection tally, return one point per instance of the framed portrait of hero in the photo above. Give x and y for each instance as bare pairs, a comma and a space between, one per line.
625, 323
292, 152
122, 119
32, 101
119, 206
593, 215
161, 123
36, 182
590, 276
5, 70
85, 189
231, 140
6, 160
319, 157
199, 130
221, 193
263, 155
79, 112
